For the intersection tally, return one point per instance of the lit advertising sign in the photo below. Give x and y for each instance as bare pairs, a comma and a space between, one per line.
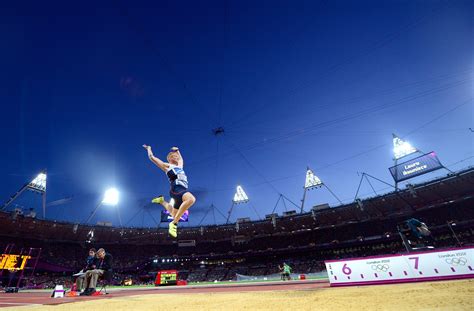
13, 262
418, 166
166, 217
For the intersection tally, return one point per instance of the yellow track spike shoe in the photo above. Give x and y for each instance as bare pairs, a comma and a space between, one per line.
158, 200
173, 230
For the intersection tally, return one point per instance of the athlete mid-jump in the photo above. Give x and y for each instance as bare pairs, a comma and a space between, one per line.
183, 199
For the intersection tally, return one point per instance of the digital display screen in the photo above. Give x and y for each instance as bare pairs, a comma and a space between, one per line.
166, 217
13, 262
418, 166
167, 277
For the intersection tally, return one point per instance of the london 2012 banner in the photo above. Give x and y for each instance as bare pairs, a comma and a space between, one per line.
415, 167
454, 263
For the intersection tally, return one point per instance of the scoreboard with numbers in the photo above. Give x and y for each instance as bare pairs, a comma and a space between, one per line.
411, 267
166, 277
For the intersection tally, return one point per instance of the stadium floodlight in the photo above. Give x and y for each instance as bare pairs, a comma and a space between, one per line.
38, 183
111, 197
240, 196
401, 148
312, 180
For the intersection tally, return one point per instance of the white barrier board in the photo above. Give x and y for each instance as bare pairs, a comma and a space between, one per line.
446, 264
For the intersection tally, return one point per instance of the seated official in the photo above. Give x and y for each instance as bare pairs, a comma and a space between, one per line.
91, 263
104, 264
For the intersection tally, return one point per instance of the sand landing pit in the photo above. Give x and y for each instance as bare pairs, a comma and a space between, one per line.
446, 295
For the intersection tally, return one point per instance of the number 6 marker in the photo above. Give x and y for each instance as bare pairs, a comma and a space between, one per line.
346, 270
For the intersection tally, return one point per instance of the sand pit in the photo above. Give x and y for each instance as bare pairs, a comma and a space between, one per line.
447, 295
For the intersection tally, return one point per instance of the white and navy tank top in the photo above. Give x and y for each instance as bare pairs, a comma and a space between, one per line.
177, 176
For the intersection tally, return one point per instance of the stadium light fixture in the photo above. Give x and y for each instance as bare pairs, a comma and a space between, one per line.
38, 183
401, 148
312, 180
240, 196
111, 197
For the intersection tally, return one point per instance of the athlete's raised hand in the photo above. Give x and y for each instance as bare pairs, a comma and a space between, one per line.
158, 162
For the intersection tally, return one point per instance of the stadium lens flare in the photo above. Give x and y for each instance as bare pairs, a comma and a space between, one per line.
111, 197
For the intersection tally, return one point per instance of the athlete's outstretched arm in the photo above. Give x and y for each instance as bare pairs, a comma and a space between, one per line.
180, 161
164, 166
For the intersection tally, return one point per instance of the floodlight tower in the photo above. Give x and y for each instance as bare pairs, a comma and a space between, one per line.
111, 197
312, 181
401, 149
37, 185
240, 197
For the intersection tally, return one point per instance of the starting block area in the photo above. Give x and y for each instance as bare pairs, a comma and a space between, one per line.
448, 264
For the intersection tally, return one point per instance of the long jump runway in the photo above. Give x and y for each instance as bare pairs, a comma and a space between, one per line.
31, 298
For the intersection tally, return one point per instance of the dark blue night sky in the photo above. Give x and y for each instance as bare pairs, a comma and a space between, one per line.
293, 83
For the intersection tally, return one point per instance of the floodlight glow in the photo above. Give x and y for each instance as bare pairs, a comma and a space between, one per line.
240, 196
111, 197
312, 180
402, 148
39, 183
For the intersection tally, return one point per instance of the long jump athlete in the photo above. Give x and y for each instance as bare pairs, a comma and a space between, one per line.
183, 199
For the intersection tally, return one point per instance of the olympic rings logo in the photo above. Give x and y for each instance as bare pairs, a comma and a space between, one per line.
380, 268
461, 261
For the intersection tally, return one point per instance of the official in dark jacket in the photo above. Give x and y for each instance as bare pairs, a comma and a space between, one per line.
103, 265
91, 263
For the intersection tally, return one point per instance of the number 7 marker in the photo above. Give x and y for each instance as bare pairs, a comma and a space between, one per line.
416, 261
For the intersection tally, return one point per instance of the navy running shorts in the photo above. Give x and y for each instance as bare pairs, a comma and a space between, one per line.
177, 193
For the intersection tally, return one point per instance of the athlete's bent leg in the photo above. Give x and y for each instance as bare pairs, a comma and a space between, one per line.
166, 205
169, 208
173, 212
188, 201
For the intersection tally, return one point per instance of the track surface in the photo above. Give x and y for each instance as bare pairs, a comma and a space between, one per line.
31, 298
